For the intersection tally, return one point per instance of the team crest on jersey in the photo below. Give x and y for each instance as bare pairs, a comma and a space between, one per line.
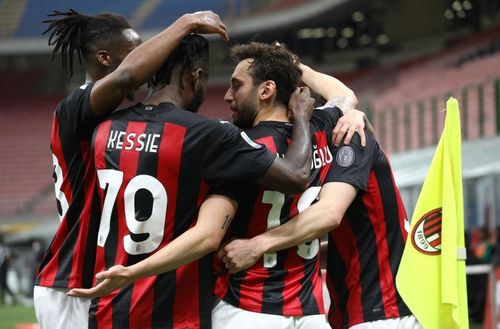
345, 156
426, 234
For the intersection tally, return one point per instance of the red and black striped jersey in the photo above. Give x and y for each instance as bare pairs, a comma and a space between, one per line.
365, 250
69, 261
154, 165
287, 282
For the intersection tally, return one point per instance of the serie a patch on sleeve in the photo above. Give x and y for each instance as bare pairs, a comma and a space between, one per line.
345, 156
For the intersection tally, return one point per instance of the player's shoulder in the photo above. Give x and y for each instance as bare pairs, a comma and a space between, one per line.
188, 119
74, 98
210, 125
76, 94
326, 109
273, 129
72, 101
127, 113
325, 115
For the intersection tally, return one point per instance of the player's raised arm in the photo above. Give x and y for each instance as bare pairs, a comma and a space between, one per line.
144, 61
290, 175
330, 88
337, 94
214, 218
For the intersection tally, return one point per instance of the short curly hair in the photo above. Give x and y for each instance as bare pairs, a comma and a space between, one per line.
191, 53
271, 62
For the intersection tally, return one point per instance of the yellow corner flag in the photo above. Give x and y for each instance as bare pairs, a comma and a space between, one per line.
431, 276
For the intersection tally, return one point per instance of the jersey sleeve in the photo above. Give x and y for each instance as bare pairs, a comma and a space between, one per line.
75, 116
233, 190
230, 154
352, 163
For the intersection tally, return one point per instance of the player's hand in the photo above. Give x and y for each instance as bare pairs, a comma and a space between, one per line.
207, 22
352, 122
301, 104
238, 255
115, 278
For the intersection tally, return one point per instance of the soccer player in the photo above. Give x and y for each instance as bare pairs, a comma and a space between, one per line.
361, 209
284, 289
102, 41
155, 162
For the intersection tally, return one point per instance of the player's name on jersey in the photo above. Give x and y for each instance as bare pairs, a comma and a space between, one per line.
321, 157
121, 140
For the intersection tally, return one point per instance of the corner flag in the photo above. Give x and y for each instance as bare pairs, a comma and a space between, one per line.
431, 276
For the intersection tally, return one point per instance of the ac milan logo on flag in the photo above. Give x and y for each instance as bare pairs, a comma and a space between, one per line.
426, 234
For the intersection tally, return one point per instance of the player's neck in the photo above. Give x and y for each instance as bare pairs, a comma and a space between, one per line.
88, 78
94, 73
272, 113
164, 95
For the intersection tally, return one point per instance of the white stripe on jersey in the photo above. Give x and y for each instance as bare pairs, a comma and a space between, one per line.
85, 85
250, 141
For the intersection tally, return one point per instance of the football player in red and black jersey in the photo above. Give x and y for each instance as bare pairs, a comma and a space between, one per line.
361, 210
283, 289
101, 42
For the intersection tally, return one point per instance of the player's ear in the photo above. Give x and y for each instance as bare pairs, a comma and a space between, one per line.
104, 58
196, 76
267, 90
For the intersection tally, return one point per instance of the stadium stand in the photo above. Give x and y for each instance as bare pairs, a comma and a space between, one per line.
214, 105
405, 99
22, 18
24, 140
36, 11
168, 11
284, 4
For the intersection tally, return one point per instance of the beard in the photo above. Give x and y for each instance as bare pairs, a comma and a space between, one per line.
198, 97
246, 114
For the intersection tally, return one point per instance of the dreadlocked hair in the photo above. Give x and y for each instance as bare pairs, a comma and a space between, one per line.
71, 31
270, 62
191, 53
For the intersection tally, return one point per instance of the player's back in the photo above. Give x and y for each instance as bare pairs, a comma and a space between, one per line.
365, 250
285, 282
153, 164
69, 260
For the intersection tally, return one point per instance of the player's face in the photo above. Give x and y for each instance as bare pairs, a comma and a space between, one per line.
242, 96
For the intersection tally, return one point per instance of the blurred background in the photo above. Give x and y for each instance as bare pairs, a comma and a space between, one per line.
401, 58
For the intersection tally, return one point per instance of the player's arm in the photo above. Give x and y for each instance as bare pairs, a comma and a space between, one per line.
214, 218
337, 94
331, 89
312, 223
290, 175
144, 61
